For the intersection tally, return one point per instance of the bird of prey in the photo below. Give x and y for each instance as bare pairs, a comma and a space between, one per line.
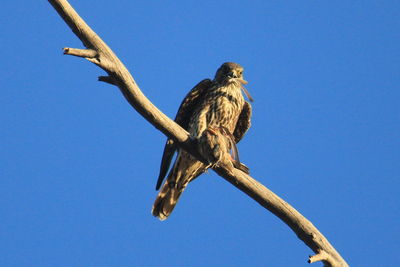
211, 104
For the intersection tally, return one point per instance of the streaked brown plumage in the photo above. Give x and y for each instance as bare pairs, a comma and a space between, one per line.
211, 104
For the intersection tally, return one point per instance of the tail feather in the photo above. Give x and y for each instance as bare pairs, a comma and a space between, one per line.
185, 170
166, 201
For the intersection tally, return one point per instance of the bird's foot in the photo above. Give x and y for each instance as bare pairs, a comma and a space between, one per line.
213, 146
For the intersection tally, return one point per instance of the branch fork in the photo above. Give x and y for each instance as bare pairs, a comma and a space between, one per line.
321, 256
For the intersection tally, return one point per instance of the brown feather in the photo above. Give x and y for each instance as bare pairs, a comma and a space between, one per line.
185, 170
210, 104
243, 123
185, 112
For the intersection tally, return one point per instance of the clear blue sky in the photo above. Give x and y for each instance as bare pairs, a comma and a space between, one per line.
78, 165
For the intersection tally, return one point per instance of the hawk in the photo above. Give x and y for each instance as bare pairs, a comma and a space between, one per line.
209, 106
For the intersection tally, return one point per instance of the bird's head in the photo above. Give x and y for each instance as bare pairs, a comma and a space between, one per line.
229, 73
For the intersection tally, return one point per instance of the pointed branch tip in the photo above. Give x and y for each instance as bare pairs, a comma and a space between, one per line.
321, 256
85, 53
107, 79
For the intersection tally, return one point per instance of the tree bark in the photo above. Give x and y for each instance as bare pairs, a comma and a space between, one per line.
100, 54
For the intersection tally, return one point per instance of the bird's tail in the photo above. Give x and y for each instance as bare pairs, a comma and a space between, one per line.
185, 170
166, 200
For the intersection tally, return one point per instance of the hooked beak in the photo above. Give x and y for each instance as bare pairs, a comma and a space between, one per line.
232, 75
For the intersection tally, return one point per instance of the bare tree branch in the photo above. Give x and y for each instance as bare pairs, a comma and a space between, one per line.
85, 53
100, 54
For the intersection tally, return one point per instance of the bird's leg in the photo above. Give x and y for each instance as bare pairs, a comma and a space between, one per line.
217, 144
234, 152
213, 146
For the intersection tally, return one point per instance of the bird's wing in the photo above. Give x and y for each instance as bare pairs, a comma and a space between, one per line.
168, 154
190, 102
243, 123
185, 112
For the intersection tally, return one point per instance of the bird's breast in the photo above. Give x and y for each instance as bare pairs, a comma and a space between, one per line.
220, 107
225, 107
